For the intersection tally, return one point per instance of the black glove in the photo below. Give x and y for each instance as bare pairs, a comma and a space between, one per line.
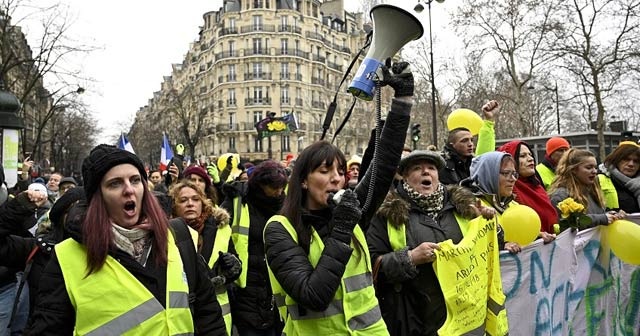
229, 159
345, 216
399, 78
230, 265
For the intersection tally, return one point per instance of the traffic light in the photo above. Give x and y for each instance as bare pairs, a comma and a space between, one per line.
415, 134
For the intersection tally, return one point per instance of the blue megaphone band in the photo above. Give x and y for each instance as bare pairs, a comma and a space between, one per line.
363, 82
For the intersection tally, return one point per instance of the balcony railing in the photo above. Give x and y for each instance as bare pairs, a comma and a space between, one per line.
285, 100
227, 127
317, 80
318, 58
231, 102
294, 52
256, 51
299, 102
257, 101
290, 29
317, 104
228, 31
334, 66
257, 75
226, 54
258, 28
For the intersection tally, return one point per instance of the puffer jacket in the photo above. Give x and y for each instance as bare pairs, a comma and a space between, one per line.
55, 315
410, 297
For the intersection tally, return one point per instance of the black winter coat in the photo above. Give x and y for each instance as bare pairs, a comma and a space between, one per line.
314, 288
17, 216
410, 297
456, 168
54, 314
253, 306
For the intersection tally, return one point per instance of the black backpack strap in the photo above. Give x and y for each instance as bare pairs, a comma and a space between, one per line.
188, 255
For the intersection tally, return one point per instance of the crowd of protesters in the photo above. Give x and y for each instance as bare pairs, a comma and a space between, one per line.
279, 248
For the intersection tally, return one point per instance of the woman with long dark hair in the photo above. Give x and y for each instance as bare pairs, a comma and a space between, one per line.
316, 250
121, 271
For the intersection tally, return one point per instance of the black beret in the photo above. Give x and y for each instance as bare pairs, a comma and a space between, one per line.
100, 160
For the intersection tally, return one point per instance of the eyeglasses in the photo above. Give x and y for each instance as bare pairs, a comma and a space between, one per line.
508, 173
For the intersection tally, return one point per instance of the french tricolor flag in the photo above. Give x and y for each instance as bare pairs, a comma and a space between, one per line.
166, 154
123, 143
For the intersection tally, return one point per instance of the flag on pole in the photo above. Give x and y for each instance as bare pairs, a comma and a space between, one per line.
274, 125
166, 154
124, 143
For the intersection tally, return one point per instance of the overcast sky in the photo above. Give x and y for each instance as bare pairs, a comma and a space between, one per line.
137, 42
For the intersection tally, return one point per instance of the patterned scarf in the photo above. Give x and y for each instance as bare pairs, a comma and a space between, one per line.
431, 204
136, 242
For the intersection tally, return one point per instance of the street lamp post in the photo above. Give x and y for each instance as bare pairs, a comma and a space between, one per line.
269, 151
419, 8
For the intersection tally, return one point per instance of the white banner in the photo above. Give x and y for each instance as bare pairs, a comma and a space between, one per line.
573, 286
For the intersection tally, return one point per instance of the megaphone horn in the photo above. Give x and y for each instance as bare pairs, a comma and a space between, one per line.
393, 27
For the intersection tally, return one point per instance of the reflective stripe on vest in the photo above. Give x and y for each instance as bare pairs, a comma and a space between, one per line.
354, 309
240, 236
221, 244
133, 310
397, 236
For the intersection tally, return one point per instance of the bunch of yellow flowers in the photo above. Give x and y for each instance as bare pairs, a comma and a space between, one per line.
572, 215
569, 206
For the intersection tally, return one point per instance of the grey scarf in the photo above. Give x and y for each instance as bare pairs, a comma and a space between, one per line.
136, 242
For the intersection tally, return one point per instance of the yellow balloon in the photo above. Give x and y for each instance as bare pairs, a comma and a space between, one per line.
624, 239
465, 118
521, 224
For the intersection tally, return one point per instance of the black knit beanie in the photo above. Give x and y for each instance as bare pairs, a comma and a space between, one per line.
100, 160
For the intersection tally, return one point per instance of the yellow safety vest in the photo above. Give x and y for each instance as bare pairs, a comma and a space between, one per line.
354, 309
609, 191
112, 301
240, 236
221, 244
546, 174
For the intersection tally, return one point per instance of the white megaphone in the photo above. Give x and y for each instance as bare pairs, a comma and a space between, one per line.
393, 27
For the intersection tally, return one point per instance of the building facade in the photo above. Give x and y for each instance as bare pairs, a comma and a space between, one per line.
256, 58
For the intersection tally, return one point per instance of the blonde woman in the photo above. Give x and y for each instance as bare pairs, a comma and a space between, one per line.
577, 177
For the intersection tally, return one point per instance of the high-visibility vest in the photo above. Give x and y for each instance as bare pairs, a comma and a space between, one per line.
111, 301
354, 309
221, 244
240, 237
609, 191
546, 174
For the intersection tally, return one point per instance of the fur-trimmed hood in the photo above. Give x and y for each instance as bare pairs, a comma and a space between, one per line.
221, 216
396, 205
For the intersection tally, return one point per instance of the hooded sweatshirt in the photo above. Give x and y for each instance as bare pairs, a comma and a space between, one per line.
530, 191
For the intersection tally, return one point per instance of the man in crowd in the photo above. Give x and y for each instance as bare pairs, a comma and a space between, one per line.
556, 146
459, 149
